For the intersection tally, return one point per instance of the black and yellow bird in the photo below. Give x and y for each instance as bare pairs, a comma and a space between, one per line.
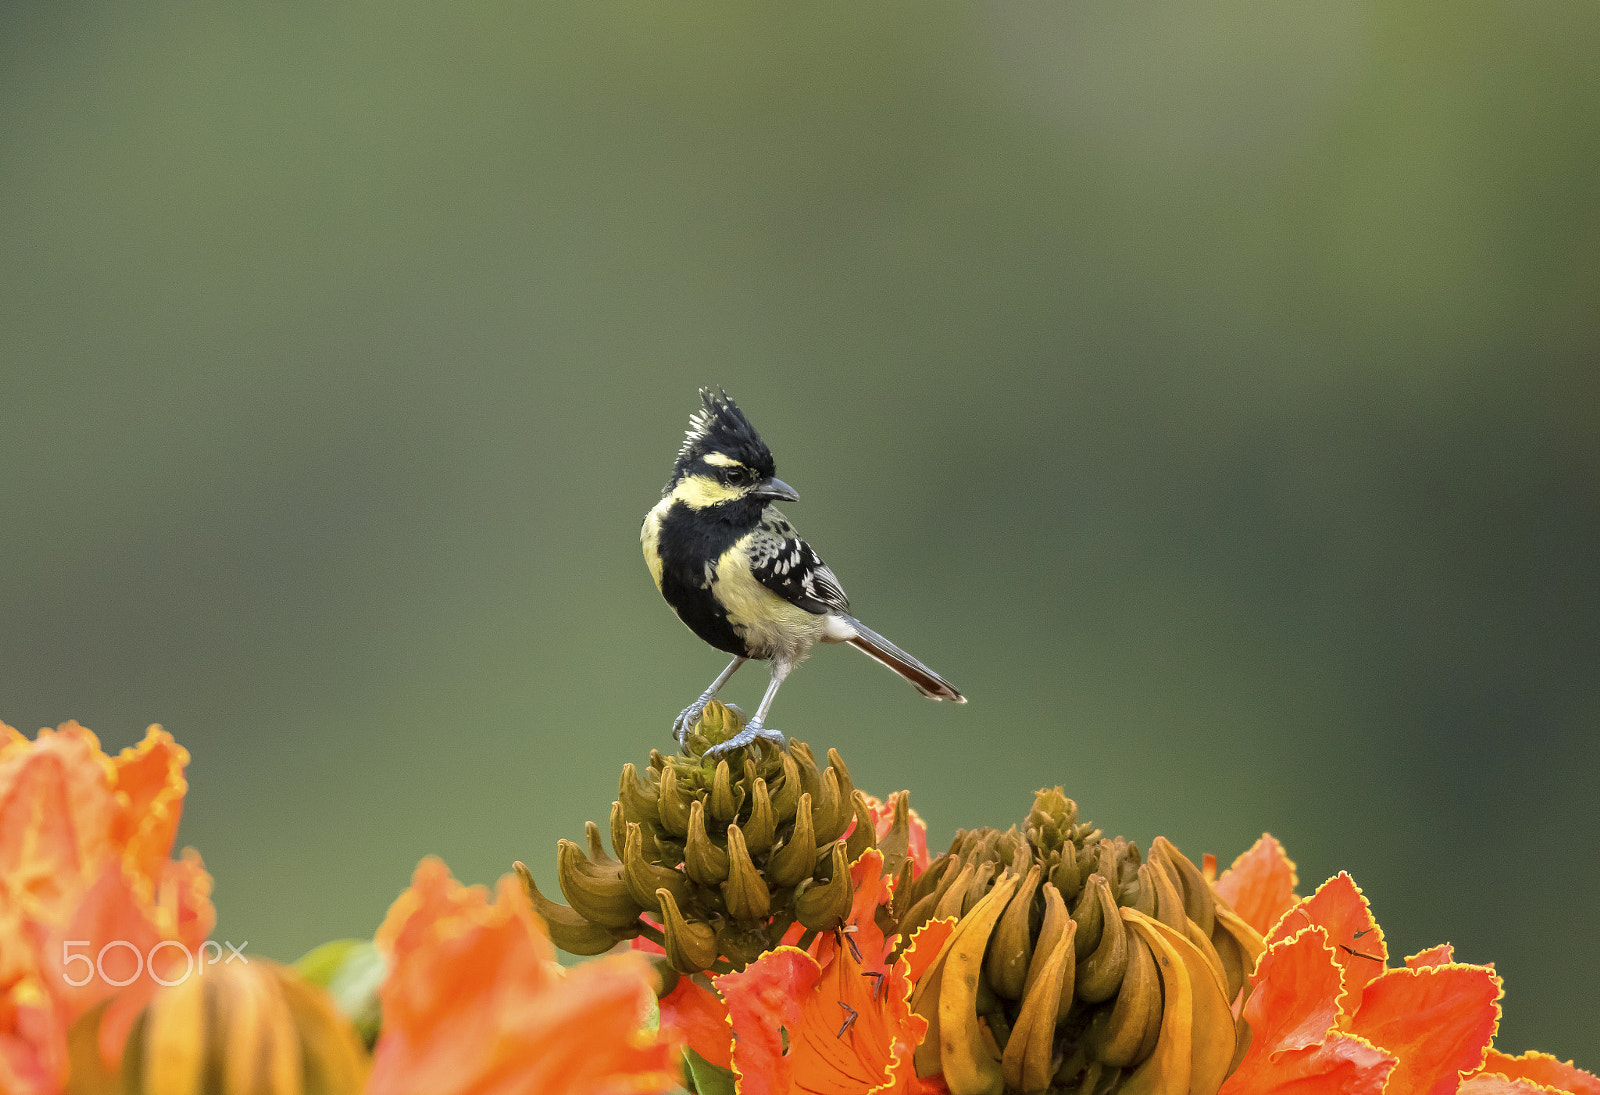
738, 574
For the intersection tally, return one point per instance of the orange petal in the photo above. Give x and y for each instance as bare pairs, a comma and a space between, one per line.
1341, 1065
33, 1039
1488, 1083
698, 1018
765, 1002
99, 954
1260, 884
854, 1033
1541, 1068
1340, 909
909, 1030
848, 1023
57, 813
1442, 955
181, 914
149, 779
10, 738
474, 1003
926, 943
183, 900
1437, 1020
1294, 999
870, 889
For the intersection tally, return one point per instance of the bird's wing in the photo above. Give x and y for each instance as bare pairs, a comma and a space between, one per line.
792, 569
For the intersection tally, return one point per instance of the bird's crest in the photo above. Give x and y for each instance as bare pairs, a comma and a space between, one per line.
719, 426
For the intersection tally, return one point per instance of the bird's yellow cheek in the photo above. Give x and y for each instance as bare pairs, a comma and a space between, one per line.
703, 492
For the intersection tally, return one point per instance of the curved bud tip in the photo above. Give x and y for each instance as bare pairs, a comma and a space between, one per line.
744, 893
825, 906
690, 947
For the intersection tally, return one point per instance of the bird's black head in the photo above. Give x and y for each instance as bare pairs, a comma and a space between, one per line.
724, 464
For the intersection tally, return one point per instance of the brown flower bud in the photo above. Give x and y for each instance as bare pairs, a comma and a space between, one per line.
824, 906
745, 894
638, 798
739, 845
862, 835
690, 947
796, 857
569, 931
644, 878
786, 796
256, 1026
761, 828
596, 893
724, 802
703, 861
674, 803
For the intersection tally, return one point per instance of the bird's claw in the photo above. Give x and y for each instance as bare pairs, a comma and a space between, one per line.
751, 733
685, 722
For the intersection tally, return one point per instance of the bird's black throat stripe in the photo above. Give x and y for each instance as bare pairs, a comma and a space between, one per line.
687, 542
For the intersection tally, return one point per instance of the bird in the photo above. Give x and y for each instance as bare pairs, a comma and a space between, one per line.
738, 574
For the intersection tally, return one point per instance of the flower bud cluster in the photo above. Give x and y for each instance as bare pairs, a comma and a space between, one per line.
714, 861
1082, 956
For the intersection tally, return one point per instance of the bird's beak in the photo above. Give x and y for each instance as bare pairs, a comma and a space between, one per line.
775, 488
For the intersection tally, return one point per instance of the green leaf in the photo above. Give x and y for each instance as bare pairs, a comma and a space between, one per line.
708, 1078
352, 971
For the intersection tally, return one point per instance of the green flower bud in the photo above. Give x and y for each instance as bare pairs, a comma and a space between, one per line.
796, 858
644, 878
761, 829
638, 798
744, 893
690, 947
724, 804
674, 803
743, 848
862, 836
703, 861
825, 906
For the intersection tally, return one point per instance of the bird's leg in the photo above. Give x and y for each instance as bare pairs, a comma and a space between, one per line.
691, 714
756, 727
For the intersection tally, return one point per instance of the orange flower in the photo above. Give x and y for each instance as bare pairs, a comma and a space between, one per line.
86, 884
1260, 884
1328, 1014
475, 1003
1530, 1074
697, 1017
835, 1020
1326, 1006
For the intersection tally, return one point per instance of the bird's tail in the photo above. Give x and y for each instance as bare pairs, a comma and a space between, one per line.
881, 650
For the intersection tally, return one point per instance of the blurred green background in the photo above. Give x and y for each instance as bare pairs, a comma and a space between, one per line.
1211, 392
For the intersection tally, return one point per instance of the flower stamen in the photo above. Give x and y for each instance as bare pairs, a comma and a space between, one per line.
846, 933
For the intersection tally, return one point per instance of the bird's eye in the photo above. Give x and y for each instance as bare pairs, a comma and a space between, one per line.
738, 476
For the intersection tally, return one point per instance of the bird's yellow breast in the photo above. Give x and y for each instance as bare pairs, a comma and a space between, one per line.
768, 623
649, 539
